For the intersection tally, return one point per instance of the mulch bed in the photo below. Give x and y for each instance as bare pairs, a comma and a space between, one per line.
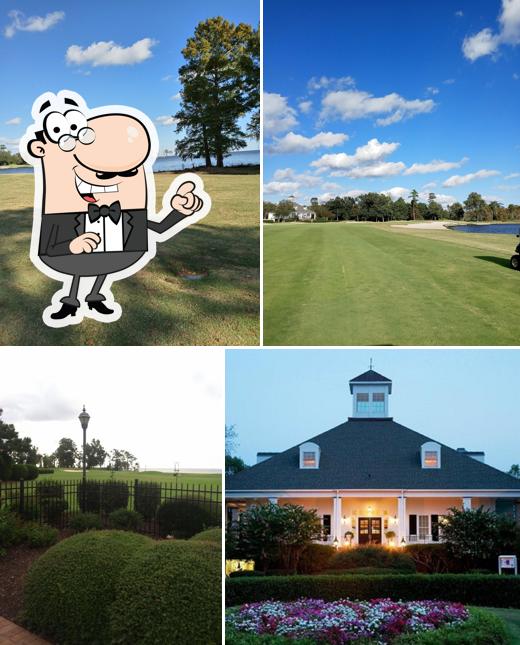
13, 568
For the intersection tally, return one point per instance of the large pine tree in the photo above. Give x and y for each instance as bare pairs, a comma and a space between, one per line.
220, 85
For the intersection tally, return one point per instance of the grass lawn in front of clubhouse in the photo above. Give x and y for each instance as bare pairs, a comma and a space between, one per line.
160, 306
511, 617
96, 474
376, 284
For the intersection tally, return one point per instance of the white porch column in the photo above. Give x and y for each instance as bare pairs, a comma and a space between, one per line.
336, 519
272, 500
466, 503
401, 518
339, 534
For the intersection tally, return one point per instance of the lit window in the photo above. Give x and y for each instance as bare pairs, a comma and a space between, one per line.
309, 459
424, 526
431, 459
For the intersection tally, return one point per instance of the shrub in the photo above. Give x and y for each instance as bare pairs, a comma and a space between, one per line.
18, 471
46, 471
38, 535
89, 496
185, 606
246, 574
5, 468
372, 556
432, 558
147, 497
69, 589
315, 558
366, 571
9, 532
484, 590
182, 518
481, 628
49, 488
209, 535
31, 472
53, 508
114, 495
85, 522
125, 520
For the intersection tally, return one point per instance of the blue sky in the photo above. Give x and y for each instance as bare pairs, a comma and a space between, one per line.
463, 398
146, 41
435, 82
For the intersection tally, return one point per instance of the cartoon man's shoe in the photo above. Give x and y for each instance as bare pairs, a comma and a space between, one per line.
100, 307
66, 310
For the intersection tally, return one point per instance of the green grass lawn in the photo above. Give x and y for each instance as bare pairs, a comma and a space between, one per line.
511, 617
374, 284
159, 306
190, 479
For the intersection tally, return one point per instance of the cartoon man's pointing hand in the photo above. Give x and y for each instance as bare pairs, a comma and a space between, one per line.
93, 187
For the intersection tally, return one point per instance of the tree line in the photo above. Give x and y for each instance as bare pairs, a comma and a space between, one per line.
377, 207
9, 158
220, 85
16, 450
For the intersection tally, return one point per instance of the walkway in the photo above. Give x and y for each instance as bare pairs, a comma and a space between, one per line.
10, 633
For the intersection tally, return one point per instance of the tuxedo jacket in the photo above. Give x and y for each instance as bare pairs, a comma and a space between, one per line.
58, 230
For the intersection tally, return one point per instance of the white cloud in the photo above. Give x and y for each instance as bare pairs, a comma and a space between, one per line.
292, 142
430, 184
165, 120
14, 121
515, 76
176, 97
457, 180
459, 14
305, 106
278, 115
105, 53
432, 90
168, 77
355, 104
372, 152
449, 81
434, 166
512, 175
487, 42
33, 23
398, 191
303, 179
330, 185
326, 82
383, 169
281, 187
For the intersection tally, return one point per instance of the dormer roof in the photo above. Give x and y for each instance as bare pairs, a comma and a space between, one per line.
370, 377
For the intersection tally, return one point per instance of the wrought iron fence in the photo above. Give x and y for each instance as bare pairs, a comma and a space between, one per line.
56, 502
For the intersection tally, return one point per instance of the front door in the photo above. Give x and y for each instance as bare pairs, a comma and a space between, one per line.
369, 530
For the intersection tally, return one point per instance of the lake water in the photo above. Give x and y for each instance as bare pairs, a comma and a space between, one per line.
240, 158
508, 229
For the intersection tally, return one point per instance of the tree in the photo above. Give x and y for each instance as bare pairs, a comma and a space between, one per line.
48, 461
66, 453
14, 449
95, 454
435, 210
234, 465
515, 470
269, 533
456, 211
322, 212
284, 208
475, 535
401, 209
269, 207
220, 82
122, 460
475, 207
414, 195
231, 439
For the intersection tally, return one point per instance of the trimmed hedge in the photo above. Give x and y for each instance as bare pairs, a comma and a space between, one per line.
482, 628
470, 589
69, 589
209, 535
316, 558
372, 556
38, 535
85, 522
170, 593
27, 472
182, 518
147, 498
125, 520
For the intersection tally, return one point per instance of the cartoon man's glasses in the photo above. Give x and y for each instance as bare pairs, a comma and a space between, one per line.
67, 142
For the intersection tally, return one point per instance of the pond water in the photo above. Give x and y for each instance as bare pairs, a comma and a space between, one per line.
240, 158
508, 229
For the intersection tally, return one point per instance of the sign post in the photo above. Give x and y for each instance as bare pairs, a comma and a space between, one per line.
507, 564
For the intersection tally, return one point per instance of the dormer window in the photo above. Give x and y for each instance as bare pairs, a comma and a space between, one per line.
431, 455
309, 455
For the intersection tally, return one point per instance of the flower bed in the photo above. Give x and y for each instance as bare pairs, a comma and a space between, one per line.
344, 621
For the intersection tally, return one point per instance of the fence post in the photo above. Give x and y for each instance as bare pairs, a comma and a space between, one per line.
136, 484
22, 497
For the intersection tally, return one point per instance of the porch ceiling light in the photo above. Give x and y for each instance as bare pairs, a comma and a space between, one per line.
335, 544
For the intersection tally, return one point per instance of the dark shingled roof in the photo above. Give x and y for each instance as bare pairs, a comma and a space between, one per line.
370, 377
368, 454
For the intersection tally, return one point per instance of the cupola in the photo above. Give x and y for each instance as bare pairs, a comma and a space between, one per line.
370, 392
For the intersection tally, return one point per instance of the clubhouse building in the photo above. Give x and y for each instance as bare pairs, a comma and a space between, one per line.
372, 480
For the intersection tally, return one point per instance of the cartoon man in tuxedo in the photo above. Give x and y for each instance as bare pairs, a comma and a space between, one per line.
94, 215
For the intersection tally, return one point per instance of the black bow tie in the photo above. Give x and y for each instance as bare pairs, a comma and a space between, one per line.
113, 211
